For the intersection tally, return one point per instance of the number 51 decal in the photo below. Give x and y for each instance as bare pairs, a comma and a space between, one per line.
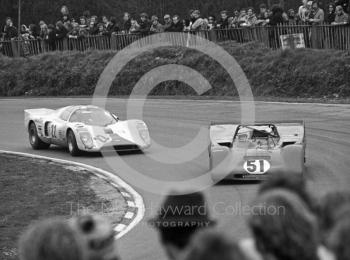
256, 166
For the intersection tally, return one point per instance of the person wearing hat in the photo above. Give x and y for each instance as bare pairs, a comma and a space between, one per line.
144, 24
156, 26
178, 219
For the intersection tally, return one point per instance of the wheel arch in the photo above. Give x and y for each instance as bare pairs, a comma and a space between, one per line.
31, 121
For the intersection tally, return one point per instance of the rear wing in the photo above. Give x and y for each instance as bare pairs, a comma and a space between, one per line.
32, 114
289, 130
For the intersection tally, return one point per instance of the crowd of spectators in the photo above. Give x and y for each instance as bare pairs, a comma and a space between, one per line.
286, 222
69, 27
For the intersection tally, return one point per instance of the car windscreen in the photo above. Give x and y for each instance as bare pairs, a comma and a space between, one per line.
93, 116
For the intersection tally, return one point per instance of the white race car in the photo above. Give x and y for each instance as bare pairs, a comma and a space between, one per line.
84, 128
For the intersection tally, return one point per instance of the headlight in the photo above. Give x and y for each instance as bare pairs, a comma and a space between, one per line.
86, 138
143, 132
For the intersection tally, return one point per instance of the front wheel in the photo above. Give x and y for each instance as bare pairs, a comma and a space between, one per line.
34, 140
72, 144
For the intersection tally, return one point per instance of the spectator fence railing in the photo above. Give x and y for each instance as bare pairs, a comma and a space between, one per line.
314, 36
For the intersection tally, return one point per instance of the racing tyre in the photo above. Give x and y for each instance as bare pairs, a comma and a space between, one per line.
34, 139
72, 144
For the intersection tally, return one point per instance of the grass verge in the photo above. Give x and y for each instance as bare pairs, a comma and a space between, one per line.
33, 189
298, 74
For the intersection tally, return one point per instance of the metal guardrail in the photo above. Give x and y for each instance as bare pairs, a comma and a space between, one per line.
320, 37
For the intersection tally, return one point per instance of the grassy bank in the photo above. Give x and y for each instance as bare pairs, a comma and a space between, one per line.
284, 74
36, 189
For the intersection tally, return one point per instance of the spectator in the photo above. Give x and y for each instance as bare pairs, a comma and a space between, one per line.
126, 23
329, 207
44, 30
112, 27
64, 10
291, 183
98, 237
251, 18
61, 31
340, 16
339, 239
292, 18
33, 31
242, 17
24, 29
187, 25
277, 16
213, 245
283, 227
156, 26
176, 227
10, 31
93, 29
94, 19
67, 23
212, 22
83, 28
51, 239
102, 31
303, 9
105, 21
330, 16
342, 3
262, 13
176, 25
235, 19
223, 22
134, 26
192, 19
199, 23
317, 14
285, 18
74, 33
167, 22
144, 24
51, 37
308, 13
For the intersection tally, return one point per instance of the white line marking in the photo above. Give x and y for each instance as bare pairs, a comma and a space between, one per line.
131, 204
138, 201
119, 228
127, 195
129, 215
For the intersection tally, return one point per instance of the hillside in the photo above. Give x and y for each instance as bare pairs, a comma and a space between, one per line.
294, 73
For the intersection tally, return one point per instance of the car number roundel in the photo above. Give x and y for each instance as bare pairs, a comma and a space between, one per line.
257, 166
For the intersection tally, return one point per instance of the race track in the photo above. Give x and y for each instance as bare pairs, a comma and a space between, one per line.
174, 123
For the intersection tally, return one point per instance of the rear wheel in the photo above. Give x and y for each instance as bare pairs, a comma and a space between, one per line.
72, 144
34, 139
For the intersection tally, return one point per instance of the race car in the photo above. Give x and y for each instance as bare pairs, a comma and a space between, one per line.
84, 128
257, 151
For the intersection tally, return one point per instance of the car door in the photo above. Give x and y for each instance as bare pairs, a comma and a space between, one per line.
57, 128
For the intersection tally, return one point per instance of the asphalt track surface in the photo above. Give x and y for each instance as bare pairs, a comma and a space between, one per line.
173, 124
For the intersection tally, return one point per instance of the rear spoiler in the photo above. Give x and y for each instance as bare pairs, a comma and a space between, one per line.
222, 132
279, 122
